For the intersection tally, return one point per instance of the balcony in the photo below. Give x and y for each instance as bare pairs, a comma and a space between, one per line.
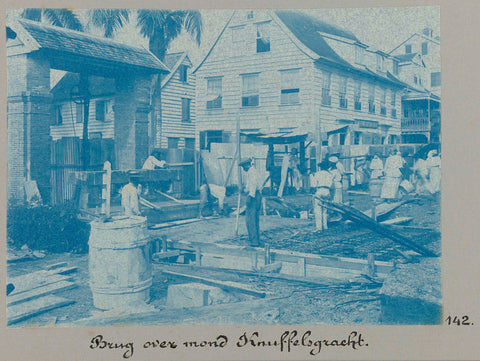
417, 124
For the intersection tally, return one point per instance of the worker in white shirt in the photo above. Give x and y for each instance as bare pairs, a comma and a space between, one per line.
433, 164
393, 175
337, 183
254, 202
376, 166
130, 194
322, 181
151, 162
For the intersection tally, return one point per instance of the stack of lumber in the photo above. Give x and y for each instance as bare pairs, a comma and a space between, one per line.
34, 292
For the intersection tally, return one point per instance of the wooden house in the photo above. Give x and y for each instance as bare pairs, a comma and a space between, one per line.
419, 64
176, 124
286, 71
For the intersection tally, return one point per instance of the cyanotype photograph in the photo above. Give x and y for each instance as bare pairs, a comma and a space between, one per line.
224, 167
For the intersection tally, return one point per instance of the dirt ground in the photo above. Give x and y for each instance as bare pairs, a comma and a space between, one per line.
286, 303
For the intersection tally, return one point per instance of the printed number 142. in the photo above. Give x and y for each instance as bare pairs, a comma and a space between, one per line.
458, 320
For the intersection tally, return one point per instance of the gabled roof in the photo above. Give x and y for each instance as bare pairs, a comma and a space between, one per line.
307, 33
172, 59
175, 59
307, 29
80, 44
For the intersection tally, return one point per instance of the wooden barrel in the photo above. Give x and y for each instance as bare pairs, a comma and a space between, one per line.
119, 263
375, 187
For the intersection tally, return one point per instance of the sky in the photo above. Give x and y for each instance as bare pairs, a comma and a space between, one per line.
382, 28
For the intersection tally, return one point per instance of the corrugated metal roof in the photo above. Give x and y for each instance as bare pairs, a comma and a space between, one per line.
81, 44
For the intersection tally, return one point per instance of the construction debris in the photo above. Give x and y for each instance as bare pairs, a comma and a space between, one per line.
360, 218
31, 294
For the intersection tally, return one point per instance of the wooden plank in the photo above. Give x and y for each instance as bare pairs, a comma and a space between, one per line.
277, 276
32, 281
25, 310
39, 291
159, 256
360, 218
227, 285
397, 220
56, 265
285, 256
271, 268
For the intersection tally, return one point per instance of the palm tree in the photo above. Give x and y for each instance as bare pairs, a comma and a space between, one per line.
110, 20
64, 18
160, 27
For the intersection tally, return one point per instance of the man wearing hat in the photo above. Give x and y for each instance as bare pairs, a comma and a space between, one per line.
254, 202
322, 181
338, 170
130, 195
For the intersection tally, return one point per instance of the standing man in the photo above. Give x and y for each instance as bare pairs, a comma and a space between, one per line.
433, 165
393, 175
337, 183
322, 181
254, 202
130, 196
290, 165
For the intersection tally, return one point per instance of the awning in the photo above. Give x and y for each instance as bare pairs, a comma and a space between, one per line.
343, 129
289, 137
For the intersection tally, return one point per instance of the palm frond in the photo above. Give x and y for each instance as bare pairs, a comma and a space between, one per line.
34, 14
65, 18
192, 23
110, 20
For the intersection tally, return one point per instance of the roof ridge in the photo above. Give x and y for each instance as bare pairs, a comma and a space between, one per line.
81, 33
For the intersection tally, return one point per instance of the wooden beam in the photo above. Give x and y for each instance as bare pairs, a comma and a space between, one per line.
226, 285
39, 291
31, 281
26, 310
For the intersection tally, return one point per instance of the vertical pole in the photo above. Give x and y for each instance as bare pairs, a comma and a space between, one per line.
239, 173
106, 190
318, 139
429, 121
267, 254
85, 94
371, 264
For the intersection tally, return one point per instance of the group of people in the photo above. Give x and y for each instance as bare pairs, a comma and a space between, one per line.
428, 173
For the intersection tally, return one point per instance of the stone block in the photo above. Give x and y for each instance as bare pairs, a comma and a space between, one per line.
196, 295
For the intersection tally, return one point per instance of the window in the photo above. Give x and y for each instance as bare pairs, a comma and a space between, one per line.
415, 79
238, 42
183, 69
189, 143
342, 94
393, 99
394, 113
395, 67
380, 62
263, 38
172, 142
186, 109
79, 112
208, 137
408, 49
326, 99
250, 90
58, 114
214, 93
383, 101
424, 48
435, 79
371, 98
250, 15
357, 95
356, 138
359, 53
290, 87
100, 110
